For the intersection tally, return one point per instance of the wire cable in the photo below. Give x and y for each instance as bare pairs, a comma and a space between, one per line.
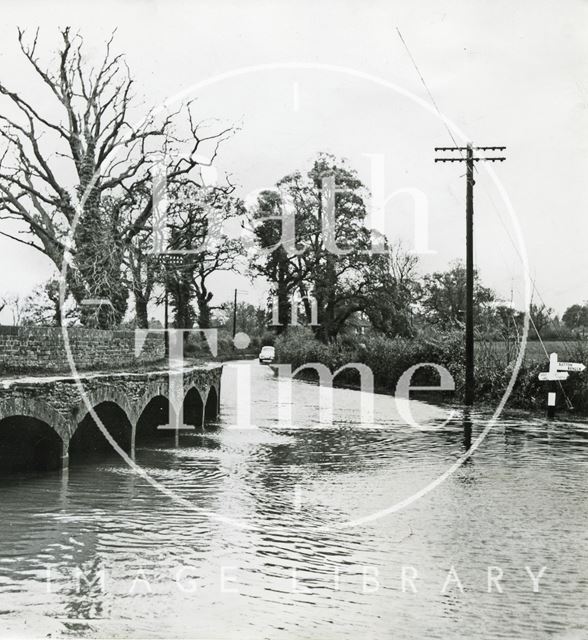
535, 289
428, 91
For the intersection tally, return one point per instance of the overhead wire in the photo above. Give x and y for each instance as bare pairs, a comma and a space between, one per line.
441, 116
496, 210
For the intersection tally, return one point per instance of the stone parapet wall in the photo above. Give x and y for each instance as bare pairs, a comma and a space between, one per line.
42, 349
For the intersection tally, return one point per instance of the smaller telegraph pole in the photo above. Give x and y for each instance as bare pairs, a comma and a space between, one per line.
235, 315
469, 159
170, 261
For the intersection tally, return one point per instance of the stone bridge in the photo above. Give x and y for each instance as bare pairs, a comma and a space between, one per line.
46, 420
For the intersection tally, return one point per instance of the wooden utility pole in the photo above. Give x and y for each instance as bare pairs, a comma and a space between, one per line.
469, 159
170, 260
235, 314
469, 328
166, 319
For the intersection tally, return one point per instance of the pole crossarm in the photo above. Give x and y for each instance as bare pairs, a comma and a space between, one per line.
490, 159
466, 148
173, 261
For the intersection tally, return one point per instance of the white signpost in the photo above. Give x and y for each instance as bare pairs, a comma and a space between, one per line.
558, 375
558, 371
570, 366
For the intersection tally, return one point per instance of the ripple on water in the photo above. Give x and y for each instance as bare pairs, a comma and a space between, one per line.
519, 501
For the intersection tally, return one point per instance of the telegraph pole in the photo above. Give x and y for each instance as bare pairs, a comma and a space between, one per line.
469, 328
235, 315
469, 159
169, 261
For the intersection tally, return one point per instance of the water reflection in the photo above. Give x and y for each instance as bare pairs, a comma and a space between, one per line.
171, 571
467, 432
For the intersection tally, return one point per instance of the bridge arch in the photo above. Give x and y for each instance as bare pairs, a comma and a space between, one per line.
116, 417
155, 412
211, 405
29, 407
33, 436
193, 407
151, 390
101, 395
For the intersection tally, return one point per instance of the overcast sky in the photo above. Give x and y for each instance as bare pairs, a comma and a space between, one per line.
506, 73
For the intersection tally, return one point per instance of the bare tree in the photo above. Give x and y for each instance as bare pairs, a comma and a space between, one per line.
197, 227
541, 316
16, 306
144, 269
53, 166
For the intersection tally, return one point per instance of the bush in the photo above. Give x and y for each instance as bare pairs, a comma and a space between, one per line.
196, 346
268, 339
389, 358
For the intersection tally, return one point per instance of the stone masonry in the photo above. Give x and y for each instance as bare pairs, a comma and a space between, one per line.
42, 349
62, 401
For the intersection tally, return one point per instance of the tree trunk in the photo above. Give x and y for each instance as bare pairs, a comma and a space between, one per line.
57, 314
204, 314
282, 294
327, 329
99, 258
183, 314
141, 315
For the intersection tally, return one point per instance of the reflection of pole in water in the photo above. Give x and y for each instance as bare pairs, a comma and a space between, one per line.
467, 430
63, 487
551, 400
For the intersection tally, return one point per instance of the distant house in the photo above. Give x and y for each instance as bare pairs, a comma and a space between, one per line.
358, 324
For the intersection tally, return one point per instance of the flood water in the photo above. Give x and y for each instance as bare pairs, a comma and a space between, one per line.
256, 540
